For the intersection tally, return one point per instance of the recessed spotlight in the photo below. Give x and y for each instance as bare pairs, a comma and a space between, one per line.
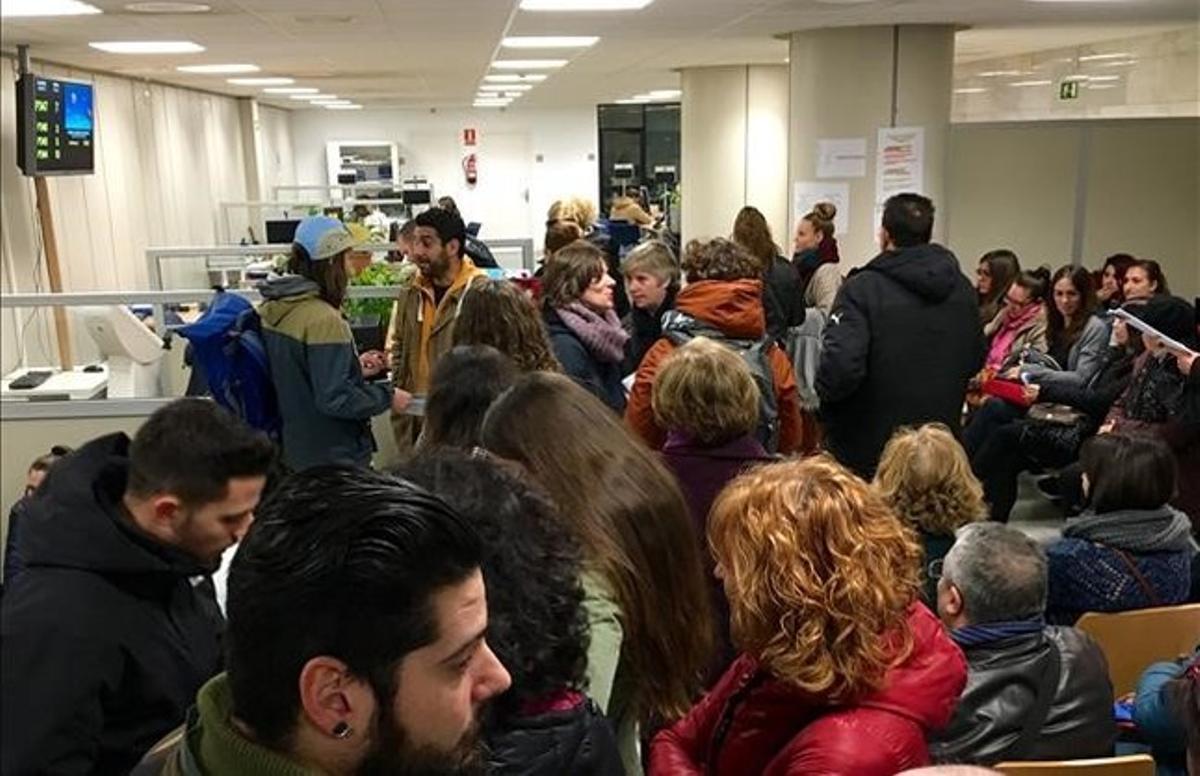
217, 69
148, 47
549, 41
291, 90
168, 7
269, 81
513, 78
18, 8
504, 87
528, 64
584, 5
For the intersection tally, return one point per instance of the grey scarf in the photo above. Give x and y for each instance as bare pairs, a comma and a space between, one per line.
1137, 530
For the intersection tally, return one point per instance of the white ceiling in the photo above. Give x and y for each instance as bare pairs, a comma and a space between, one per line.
415, 53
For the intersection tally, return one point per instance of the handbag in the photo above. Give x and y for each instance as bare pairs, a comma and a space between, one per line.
1053, 443
1058, 414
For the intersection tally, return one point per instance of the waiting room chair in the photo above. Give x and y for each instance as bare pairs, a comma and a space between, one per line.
1131, 765
1131, 641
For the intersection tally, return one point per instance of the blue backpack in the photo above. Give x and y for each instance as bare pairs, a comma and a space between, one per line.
227, 348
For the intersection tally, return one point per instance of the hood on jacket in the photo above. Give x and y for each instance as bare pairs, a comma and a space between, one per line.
76, 519
733, 306
929, 271
281, 294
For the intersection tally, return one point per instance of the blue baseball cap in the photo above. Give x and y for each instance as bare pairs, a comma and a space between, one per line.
323, 237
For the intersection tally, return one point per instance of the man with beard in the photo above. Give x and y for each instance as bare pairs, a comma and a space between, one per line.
108, 632
423, 318
357, 624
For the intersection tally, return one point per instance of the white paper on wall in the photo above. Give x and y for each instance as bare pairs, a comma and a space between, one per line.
842, 157
900, 162
806, 194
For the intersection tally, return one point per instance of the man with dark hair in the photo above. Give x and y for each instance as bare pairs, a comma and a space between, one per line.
1034, 692
357, 624
422, 328
902, 342
107, 634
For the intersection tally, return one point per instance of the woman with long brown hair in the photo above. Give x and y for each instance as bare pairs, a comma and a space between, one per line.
842, 669
647, 598
783, 298
500, 314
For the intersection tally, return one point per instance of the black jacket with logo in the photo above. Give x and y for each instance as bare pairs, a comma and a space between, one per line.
105, 638
901, 344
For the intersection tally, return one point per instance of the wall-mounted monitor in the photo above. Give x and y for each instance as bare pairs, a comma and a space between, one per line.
56, 126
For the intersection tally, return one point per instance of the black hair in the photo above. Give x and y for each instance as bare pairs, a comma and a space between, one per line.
1128, 471
191, 448
329, 274
537, 625
1154, 274
43, 462
908, 219
1036, 282
340, 562
449, 226
465, 383
448, 204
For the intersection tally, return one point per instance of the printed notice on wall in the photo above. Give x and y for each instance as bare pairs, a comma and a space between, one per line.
900, 165
842, 157
806, 194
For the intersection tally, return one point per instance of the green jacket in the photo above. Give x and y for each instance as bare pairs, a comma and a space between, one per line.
325, 403
209, 745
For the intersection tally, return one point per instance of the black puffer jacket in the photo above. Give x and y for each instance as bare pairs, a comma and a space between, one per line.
783, 298
106, 639
1004, 680
578, 741
901, 343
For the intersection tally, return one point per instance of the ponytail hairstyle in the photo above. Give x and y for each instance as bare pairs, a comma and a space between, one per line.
821, 217
1036, 282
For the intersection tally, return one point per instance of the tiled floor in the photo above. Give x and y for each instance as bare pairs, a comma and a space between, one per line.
1034, 514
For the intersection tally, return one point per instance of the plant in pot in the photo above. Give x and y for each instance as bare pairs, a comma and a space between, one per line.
369, 317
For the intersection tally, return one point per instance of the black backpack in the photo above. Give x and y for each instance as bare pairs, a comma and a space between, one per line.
680, 329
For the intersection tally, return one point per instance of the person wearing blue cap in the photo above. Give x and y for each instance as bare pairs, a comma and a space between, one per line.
325, 399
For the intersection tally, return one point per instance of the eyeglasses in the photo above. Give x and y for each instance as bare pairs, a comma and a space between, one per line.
1016, 302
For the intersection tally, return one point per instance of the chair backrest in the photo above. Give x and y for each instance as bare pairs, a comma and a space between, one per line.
1132, 765
1131, 641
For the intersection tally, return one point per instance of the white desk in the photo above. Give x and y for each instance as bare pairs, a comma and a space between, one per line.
75, 385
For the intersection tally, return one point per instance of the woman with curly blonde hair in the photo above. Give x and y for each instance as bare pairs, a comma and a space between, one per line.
925, 476
498, 313
842, 670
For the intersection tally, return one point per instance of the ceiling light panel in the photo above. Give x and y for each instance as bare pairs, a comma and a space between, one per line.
15, 9
292, 90
504, 87
148, 47
1030, 83
311, 97
514, 78
269, 81
549, 41
528, 64
343, 107
217, 69
584, 5
168, 7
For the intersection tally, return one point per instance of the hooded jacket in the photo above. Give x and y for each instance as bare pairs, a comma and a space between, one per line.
900, 346
106, 638
752, 724
571, 738
325, 403
735, 308
1005, 679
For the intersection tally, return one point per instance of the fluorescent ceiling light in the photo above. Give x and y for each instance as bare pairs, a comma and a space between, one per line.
271, 81
217, 69
1104, 78
528, 64
291, 90
584, 5
504, 87
632, 102
492, 100
1119, 63
18, 8
970, 90
1000, 73
310, 97
1076, 77
1030, 83
148, 47
549, 41
1098, 57
665, 94
328, 99
513, 78
343, 107
1101, 86
168, 7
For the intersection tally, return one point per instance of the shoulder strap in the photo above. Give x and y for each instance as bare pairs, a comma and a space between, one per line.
1147, 588
1031, 730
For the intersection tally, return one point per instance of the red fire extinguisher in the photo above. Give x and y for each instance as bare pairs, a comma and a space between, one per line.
470, 169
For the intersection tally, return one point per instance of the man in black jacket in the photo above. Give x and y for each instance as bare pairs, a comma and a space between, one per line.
902, 341
1034, 692
109, 631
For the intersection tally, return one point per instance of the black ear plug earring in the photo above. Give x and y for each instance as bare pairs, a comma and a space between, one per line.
342, 730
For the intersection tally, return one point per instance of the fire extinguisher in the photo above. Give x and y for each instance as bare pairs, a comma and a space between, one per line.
470, 169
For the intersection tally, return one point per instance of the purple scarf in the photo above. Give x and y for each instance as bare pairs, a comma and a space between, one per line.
604, 337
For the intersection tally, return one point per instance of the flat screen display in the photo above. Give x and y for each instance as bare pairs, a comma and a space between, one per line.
57, 126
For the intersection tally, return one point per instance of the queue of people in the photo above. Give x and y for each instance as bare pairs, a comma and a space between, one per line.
618, 542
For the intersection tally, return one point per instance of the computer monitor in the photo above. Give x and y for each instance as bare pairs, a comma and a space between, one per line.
282, 231
417, 196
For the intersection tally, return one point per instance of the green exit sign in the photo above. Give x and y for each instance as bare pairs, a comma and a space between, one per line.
1068, 90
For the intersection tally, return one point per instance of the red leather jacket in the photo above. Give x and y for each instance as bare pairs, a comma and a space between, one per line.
752, 724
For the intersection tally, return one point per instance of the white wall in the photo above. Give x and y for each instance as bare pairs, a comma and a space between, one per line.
514, 189
164, 157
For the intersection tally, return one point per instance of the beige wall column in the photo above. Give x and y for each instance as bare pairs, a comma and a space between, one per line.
734, 137
849, 83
